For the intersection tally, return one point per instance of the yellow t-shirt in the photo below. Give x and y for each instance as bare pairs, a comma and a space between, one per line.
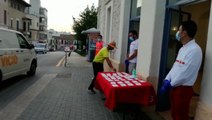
102, 54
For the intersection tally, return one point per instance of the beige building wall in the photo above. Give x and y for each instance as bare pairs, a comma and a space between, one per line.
3, 6
34, 27
204, 108
16, 16
11, 14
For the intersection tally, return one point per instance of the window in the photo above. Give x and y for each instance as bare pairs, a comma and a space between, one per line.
22, 41
24, 26
18, 7
12, 5
30, 34
28, 27
108, 24
135, 8
17, 25
11, 23
135, 14
5, 17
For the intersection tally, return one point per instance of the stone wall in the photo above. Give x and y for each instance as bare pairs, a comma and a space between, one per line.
101, 25
116, 23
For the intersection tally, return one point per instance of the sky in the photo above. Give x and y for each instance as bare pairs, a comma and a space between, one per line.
60, 12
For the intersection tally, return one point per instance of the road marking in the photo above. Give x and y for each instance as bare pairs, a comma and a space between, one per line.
60, 62
14, 109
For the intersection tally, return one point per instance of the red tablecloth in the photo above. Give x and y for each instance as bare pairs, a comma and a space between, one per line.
120, 87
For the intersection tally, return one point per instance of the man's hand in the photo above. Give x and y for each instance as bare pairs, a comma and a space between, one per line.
165, 87
126, 62
114, 69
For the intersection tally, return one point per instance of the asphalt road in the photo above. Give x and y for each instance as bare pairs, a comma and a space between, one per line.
46, 64
50, 59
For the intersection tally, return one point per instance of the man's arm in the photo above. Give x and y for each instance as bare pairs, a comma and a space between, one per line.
133, 55
110, 64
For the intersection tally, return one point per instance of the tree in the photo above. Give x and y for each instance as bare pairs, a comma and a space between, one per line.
87, 19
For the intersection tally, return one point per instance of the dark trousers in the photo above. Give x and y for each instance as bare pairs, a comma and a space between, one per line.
180, 101
97, 67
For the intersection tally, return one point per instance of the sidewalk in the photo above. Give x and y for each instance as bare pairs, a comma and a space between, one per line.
75, 60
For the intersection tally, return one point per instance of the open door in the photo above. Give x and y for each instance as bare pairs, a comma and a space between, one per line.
169, 52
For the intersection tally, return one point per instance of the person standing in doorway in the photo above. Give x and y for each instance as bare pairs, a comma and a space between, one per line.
183, 73
133, 50
98, 61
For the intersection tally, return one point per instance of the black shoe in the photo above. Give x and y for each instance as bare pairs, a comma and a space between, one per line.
103, 98
92, 90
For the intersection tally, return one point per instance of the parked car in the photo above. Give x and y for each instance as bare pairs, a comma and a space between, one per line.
41, 48
17, 56
51, 49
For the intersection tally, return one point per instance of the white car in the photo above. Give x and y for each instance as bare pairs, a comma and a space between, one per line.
40, 48
17, 56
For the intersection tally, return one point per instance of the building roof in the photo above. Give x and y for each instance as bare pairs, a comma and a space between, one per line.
67, 37
91, 30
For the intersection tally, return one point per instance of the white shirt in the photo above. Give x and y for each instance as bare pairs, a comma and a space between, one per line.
133, 47
185, 69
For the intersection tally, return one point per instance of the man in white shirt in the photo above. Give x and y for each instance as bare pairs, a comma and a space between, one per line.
184, 72
133, 50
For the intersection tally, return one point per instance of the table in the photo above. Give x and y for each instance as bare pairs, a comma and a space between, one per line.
121, 87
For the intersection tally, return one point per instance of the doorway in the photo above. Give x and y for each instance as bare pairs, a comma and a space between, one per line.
199, 12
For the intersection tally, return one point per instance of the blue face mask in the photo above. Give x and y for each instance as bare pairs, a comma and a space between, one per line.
178, 36
131, 38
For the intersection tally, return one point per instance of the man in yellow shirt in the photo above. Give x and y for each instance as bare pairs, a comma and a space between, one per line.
98, 61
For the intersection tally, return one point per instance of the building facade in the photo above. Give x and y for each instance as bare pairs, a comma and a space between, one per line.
34, 27
43, 25
30, 19
35, 8
13, 15
157, 22
39, 24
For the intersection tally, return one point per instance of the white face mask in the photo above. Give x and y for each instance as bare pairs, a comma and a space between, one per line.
178, 36
131, 38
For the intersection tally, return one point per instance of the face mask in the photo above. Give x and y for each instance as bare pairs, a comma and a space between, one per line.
131, 38
99, 39
178, 36
112, 51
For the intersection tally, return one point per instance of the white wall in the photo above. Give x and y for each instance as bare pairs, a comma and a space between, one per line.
123, 30
206, 87
150, 38
204, 109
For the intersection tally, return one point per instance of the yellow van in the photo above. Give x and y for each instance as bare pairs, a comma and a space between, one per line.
17, 56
